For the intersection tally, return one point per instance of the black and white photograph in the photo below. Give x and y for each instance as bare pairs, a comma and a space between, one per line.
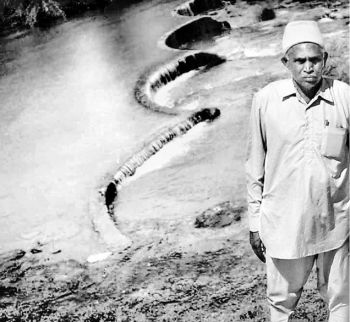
174, 160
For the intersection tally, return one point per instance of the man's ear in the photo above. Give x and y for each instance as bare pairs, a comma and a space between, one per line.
284, 60
325, 57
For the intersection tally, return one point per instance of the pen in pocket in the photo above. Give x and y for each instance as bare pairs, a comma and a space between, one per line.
326, 123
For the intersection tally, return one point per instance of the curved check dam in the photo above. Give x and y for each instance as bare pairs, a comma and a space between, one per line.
200, 30
129, 167
196, 7
148, 84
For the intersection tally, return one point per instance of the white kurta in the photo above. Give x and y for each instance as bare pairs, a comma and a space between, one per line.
298, 169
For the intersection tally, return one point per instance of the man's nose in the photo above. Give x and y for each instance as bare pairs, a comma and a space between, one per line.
308, 67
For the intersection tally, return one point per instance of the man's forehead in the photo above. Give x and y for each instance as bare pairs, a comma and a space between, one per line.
306, 49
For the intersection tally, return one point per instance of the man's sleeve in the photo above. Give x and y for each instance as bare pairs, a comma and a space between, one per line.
255, 164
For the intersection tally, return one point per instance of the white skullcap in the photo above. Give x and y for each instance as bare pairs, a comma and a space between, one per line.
297, 32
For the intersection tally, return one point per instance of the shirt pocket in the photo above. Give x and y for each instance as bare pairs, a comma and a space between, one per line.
333, 142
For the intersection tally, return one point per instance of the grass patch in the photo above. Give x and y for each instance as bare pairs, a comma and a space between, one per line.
338, 61
30, 12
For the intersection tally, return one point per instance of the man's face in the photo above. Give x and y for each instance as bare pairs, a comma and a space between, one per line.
305, 61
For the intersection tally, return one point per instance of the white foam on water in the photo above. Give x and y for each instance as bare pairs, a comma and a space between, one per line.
228, 47
191, 106
257, 73
270, 50
175, 149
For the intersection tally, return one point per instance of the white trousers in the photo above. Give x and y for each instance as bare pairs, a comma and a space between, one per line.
286, 278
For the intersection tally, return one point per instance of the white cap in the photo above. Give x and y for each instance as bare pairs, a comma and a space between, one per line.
297, 32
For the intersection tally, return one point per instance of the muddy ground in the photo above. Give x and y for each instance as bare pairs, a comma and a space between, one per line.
172, 272
184, 274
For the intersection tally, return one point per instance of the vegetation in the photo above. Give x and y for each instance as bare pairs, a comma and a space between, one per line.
338, 62
28, 13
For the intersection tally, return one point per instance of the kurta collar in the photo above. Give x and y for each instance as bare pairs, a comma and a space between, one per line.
289, 90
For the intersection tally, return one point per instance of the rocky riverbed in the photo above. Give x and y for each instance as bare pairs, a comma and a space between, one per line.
183, 274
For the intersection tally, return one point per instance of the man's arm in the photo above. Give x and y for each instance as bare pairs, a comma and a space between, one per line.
255, 165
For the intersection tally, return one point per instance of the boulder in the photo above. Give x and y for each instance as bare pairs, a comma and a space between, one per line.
11, 255
220, 215
267, 14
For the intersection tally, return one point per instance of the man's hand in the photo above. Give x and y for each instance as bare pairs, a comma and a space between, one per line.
257, 245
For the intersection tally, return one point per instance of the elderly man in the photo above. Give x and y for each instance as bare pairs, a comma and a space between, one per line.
298, 178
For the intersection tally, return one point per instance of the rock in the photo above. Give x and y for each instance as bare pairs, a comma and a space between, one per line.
175, 255
339, 14
17, 254
325, 20
35, 250
220, 215
9, 258
267, 14
98, 257
7, 291
111, 193
260, 13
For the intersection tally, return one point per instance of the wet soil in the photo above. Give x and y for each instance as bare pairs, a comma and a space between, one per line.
185, 274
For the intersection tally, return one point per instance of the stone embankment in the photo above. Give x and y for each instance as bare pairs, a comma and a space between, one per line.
201, 29
129, 167
148, 84
196, 7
